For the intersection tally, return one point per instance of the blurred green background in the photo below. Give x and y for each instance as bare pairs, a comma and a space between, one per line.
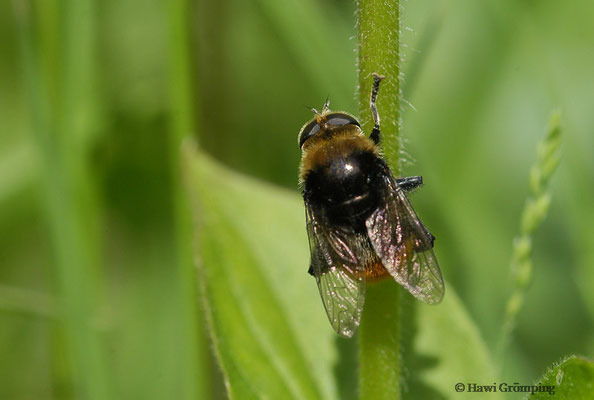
90, 123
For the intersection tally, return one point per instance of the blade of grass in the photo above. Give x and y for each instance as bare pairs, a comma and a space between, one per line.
195, 374
71, 209
379, 333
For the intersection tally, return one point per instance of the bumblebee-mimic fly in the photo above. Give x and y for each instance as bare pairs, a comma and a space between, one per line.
361, 225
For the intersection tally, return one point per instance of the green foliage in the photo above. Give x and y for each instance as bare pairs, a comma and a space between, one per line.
572, 379
270, 331
97, 292
534, 212
62, 135
271, 336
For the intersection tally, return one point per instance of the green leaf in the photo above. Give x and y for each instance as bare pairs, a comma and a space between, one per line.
572, 378
270, 332
443, 347
269, 329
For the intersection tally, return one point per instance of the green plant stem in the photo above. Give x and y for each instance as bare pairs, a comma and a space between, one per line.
378, 51
63, 124
379, 333
379, 343
195, 377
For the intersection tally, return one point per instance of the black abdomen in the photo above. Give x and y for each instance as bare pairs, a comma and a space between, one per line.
346, 188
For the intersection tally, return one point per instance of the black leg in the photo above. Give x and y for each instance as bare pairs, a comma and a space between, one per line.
375, 133
426, 246
410, 183
430, 236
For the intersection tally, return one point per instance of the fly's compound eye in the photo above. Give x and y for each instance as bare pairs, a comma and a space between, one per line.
308, 131
329, 121
339, 119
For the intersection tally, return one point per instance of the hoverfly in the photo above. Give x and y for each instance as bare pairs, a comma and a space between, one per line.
361, 225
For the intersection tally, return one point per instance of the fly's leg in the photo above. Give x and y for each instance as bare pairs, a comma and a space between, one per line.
431, 237
375, 133
407, 184
410, 183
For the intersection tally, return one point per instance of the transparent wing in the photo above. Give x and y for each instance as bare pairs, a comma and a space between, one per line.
404, 245
340, 276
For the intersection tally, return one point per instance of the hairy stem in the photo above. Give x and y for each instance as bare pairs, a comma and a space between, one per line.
378, 51
379, 334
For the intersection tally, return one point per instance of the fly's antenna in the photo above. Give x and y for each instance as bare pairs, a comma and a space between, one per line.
375, 133
320, 115
325, 107
326, 104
